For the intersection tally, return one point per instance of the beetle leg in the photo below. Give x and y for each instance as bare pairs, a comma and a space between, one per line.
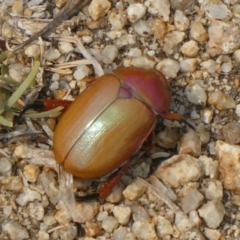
177, 117
113, 180
45, 105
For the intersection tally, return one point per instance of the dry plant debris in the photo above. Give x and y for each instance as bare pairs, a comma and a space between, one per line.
195, 194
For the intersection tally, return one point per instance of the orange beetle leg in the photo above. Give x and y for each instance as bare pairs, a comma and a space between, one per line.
177, 117
45, 105
113, 180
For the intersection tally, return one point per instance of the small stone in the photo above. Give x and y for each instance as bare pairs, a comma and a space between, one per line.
142, 28
168, 138
144, 230
206, 115
212, 234
5, 167
171, 41
236, 56
231, 133
32, 50
110, 224
161, 8
81, 72
36, 211
122, 214
229, 165
120, 233
192, 200
190, 48
52, 54
118, 20
27, 196
134, 190
212, 189
159, 28
193, 215
17, 72
42, 235
196, 94
237, 110
68, 232
179, 170
182, 222
218, 11
190, 143
181, 22
226, 67
31, 172
49, 220
222, 38
13, 183
210, 167
136, 11
126, 40
212, 213
134, 52
189, 65
193, 233
182, 5
168, 67
139, 213
143, 62
203, 134
62, 216
198, 32
164, 227
15, 230
210, 66
221, 100
98, 8
93, 229
65, 47
86, 211
109, 54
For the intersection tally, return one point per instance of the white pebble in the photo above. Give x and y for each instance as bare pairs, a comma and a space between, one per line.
65, 47
109, 224
32, 50
181, 22
27, 196
212, 189
142, 28
136, 11
144, 230
226, 67
143, 62
134, 190
122, 214
196, 94
221, 100
188, 65
109, 53
52, 54
190, 48
164, 227
168, 67
81, 72
212, 213
117, 20
191, 200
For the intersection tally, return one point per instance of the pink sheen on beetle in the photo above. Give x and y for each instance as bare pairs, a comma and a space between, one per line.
147, 86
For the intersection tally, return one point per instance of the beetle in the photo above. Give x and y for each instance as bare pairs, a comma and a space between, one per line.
106, 124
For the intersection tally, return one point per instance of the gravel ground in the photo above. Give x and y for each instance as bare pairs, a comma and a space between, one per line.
194, 192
